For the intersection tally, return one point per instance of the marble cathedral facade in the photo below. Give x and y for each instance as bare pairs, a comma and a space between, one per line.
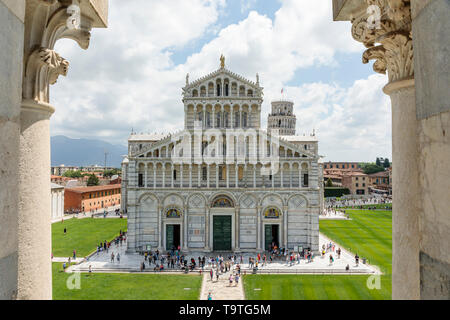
222, 183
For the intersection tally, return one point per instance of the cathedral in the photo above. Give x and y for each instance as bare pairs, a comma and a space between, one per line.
222, 183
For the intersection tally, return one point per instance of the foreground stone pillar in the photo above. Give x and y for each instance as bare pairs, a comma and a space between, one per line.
46, 21
11, 65
406, 191
384, 27
35, 269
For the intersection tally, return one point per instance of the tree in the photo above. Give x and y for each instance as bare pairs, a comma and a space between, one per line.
110, 173
386, 163
73, 174
370, 168
329, 183
93, 180
378, 162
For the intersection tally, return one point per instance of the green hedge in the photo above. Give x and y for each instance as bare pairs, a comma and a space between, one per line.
336, 192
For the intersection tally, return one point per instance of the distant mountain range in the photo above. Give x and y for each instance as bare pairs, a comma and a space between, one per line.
85, 152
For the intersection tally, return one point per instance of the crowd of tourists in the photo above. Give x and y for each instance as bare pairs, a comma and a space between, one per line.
357, 203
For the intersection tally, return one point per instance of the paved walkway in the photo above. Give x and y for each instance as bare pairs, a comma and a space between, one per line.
221, 289
101, 262
97, 214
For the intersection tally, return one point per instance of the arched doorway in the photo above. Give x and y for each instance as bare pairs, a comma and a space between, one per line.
222, 223
272, 225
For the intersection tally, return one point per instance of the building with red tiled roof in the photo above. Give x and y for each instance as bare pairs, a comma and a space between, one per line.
91, 198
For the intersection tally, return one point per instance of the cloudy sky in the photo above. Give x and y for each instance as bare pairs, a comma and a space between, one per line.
132, 74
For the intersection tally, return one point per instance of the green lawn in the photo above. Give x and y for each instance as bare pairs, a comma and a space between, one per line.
369, 234
126, 286
83, 235
312, 287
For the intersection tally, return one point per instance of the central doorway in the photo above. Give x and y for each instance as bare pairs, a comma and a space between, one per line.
222, 233
173, 238
272, 235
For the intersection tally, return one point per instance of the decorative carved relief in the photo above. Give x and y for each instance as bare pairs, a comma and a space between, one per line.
390, 43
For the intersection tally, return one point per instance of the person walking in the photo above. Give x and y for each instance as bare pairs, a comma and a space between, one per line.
209, 296
211, 274
118, 257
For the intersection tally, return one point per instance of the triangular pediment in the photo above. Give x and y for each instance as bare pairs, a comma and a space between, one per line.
224, 73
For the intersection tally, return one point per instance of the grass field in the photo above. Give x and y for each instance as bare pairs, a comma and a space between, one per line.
83, 235
126, 286
311, 287
369, 234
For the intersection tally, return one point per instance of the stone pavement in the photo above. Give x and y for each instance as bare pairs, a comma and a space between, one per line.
97, 214
61, 259
101, 262
221, 290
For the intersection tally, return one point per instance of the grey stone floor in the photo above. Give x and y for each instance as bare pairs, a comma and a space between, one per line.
101, 262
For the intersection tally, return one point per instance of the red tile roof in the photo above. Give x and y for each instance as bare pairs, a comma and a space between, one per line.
94, 188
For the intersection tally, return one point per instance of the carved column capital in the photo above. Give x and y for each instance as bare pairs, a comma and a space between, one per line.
45, 24
385, 29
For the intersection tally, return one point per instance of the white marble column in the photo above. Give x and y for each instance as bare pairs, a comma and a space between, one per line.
181, 175
207, 175
185, 228
207, 238
281, 175
190, 175
164, 175
146, 175
171, 175
34, 190
228, 175
237, 222
290, 175
236, 166
258, 229
285, 226
217, 175
254, 176
154, 176
160, 246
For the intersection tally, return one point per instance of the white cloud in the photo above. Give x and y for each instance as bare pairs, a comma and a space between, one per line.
127, 78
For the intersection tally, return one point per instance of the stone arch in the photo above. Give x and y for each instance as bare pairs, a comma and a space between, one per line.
173, 199
148, 195
269, 199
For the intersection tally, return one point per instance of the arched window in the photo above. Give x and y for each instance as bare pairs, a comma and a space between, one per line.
195, 93
218, 122
227, 88
226, 122
244, 120
219, 92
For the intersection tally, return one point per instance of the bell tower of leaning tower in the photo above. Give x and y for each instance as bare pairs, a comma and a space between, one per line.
282, 117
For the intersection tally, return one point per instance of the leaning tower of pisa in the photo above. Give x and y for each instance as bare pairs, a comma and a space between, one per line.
282, 117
